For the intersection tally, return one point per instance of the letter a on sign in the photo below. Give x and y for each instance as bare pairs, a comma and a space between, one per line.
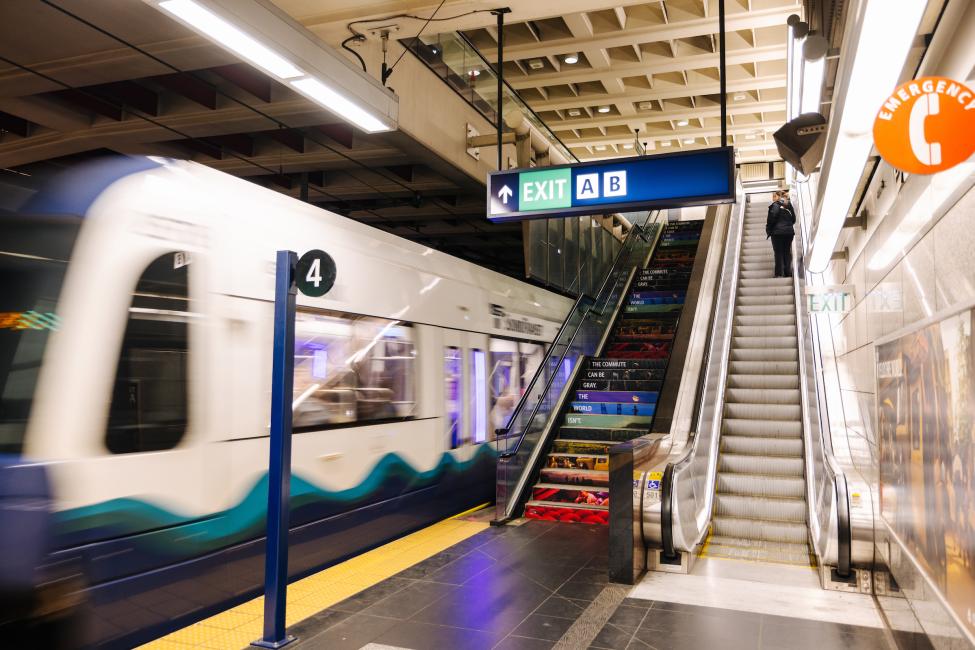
587, 186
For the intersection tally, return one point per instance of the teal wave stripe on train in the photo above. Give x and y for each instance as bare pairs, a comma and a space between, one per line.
171, 533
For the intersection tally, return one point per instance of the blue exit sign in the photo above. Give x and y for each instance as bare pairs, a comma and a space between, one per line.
674, 180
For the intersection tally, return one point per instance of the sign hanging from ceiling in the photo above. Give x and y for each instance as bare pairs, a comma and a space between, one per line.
676, 180
927, 125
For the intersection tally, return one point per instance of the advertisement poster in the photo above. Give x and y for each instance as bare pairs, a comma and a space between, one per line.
926, 401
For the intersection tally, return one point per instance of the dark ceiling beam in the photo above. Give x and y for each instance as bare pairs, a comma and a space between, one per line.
246, 78
200, 146
16, 125
343, 134
291, 138
189, 87
90, 103
405, 172
129, 94
239, 143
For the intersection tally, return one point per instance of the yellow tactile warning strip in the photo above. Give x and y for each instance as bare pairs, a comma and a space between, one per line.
237, 627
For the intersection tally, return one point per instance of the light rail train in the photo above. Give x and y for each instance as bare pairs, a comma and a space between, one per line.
135, 363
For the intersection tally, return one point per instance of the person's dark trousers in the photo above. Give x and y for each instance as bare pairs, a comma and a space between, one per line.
782, 247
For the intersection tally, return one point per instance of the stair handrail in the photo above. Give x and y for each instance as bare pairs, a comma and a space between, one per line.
829, 509
699, 487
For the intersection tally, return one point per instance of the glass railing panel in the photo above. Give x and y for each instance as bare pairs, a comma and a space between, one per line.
579, 338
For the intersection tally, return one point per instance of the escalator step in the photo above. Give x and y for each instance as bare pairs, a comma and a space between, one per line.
764, 465
761, 428
764, 508
771, 531
761, 446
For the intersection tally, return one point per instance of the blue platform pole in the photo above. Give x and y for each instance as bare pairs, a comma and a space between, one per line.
279, 468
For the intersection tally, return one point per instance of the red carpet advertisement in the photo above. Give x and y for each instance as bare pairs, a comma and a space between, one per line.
926, 401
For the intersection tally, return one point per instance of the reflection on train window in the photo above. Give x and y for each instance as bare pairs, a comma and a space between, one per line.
150, 395
453, 374
33, 260
512, 366
351, 368
479, 395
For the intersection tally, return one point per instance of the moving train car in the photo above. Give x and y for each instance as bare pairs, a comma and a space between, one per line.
135, 362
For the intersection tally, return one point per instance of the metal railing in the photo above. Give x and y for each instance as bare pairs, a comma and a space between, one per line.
582, 334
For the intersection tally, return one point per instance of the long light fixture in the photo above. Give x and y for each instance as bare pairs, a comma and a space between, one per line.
259, 33
814, 51
886, 35
218, 29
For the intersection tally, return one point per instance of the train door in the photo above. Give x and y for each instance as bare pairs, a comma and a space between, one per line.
455, 411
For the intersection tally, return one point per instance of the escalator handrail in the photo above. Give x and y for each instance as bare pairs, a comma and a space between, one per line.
835, 472
728, 284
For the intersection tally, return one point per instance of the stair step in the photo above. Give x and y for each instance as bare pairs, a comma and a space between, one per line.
762, 395
748, 367
613, 408
764, 465
581, 446
764, 508
566, 512
626, 364
740, 411
618, 396
600, 435
761, 428
588, 495
765, 331
768, 320
621, 385
561, 460
569, 477
765, 310
763, 342
746, 301
756, 485
771, 531
765, 282
758, 550
765, 382
760, 354
774, 290
761, 446
608, 421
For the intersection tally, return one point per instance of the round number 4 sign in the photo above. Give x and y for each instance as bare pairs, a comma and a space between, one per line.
315, 273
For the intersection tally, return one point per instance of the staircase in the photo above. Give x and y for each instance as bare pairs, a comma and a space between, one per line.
616, 394
760, 505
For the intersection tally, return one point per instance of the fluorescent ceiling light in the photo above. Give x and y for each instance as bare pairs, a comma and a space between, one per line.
740, 97
321, 93
628, 145
813, 72
603, 109
750, 136
600, 147
215, 27
571, 59
688, 140
646, 106
683, 122
536, 64
665, 143
885, 39
574, 112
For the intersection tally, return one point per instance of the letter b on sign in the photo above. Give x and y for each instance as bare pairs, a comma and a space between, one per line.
614, 183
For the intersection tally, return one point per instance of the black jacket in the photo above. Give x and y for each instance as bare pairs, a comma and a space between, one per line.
781, 218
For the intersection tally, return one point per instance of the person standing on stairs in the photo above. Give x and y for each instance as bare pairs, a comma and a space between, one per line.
779, 226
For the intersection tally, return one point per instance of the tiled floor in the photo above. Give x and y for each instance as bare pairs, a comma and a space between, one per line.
656, 625
515, 587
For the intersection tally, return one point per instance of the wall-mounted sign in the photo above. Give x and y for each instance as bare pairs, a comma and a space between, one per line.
927, 125
681, 179
830, 299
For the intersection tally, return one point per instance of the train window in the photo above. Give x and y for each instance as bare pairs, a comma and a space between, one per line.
149, 409
512, 366
453, 372
479, 420
351, 368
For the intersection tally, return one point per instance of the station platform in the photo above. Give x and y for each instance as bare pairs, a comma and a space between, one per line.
535, 585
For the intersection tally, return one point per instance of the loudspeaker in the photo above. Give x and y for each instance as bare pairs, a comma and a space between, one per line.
801, 141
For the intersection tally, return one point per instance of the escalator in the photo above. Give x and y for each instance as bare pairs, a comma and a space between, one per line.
760, 505
614, 398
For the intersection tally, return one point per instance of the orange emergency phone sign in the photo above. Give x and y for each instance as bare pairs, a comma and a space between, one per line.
927, 125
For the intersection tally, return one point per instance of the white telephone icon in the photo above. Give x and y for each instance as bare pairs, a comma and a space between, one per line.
928, 153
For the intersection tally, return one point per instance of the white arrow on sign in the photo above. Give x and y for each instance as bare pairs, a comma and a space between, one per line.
505, 193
